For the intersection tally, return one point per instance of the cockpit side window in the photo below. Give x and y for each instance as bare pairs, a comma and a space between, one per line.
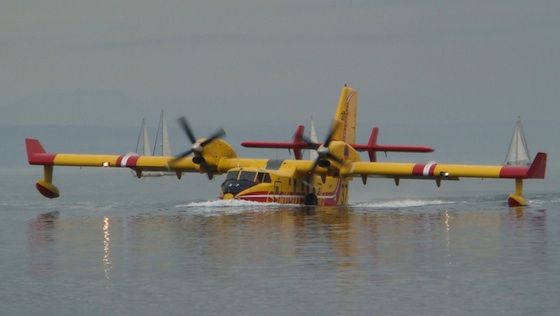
263, 177
232, 175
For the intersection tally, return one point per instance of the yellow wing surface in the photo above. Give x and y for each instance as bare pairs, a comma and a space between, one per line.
434, 170
37, 155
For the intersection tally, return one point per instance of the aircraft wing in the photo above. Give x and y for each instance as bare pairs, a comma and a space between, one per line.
437, 171
37, 155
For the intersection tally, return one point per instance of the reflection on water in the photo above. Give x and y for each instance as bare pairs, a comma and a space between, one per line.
346, 254
106, 247
41, 238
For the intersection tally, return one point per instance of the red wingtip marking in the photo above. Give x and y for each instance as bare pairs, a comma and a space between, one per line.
34, 146
36, 154
538, 167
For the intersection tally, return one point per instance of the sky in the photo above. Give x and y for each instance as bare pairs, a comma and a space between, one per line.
275, 64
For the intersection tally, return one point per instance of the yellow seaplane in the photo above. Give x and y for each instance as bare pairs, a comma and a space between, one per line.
322, 181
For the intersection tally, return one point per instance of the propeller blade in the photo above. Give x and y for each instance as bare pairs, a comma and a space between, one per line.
204, 168
309, 143
183, 155
187, 128
218, 134
334, 127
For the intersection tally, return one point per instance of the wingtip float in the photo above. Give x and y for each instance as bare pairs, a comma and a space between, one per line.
322, 180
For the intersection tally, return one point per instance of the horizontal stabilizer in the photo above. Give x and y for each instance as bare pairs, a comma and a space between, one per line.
297, 144
371, 147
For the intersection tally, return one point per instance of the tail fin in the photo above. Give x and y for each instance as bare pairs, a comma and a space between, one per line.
346, 113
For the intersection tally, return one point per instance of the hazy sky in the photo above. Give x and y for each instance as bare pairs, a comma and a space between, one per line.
111, 63
440, 69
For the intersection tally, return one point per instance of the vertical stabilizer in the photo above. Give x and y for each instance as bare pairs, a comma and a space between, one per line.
346, 113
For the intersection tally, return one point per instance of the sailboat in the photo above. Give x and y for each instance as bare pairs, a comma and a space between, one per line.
313, 137
143, 140
518, 153
164, 146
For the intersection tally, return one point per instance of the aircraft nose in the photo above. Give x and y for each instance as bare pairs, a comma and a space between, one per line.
234, 187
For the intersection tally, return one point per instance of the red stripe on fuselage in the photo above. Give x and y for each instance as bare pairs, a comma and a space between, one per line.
324, 199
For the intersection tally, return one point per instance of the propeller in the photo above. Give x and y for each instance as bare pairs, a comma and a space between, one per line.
323, 152
197, 147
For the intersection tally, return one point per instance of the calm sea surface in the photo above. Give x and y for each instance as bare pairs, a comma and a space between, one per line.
113, 245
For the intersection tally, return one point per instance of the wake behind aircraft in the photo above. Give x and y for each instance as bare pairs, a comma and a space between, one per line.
323, 181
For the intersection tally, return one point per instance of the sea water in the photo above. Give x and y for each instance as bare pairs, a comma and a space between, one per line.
114, 245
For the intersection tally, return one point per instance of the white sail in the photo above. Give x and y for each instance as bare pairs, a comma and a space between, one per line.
143, 140
165, 145
313, 138
518, 153
146, 140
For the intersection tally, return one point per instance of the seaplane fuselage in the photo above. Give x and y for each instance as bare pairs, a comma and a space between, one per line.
280, 186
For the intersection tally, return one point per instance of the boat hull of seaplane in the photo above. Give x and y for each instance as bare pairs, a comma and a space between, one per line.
268, 187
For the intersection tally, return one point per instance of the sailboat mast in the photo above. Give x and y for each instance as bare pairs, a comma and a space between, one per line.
157, 134
140, 135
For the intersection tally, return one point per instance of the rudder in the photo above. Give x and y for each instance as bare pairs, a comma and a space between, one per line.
346, 113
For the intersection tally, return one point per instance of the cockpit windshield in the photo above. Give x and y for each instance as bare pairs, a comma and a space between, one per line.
247, 175
232, 175
252, 176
